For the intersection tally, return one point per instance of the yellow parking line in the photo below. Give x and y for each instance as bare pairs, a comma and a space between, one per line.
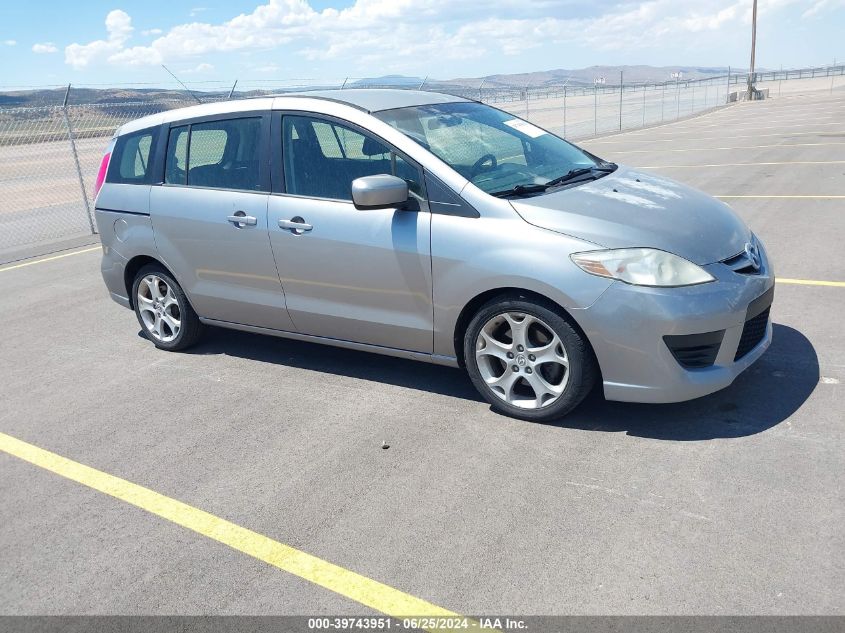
810, 282
787, 162
49, 259
347, 583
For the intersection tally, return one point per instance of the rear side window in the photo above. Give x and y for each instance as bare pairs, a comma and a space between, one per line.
217, 154
131, 158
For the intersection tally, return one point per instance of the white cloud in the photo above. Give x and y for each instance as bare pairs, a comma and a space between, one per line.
819, 6
199, 69
119, 29
149, 32
196, 11
44, 48
403, 34
10, 42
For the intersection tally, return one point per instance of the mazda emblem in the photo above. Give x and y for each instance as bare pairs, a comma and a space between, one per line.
753, 255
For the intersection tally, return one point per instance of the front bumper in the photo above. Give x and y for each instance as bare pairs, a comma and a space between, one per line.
627, 325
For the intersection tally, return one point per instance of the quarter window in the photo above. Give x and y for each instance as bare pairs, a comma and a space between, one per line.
176, 164
322, 158
130, 163
218, 154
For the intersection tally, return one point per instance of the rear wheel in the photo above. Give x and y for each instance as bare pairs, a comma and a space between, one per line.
166, 317
527, 359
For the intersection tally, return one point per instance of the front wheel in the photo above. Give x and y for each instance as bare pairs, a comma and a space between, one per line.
163, 311
527, 359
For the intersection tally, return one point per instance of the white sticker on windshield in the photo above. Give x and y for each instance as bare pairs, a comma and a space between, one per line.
526, 128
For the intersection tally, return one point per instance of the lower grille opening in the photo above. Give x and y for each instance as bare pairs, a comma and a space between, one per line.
695, 351
752, 333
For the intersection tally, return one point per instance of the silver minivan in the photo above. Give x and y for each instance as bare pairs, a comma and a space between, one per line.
435, 228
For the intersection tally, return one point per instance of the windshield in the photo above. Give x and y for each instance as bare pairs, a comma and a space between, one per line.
496, 151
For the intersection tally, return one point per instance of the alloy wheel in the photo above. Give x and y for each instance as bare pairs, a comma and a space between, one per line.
522, 360
159, 308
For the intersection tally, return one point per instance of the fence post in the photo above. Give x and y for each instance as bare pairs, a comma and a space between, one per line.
728, 93
678, 97
620, 100
76, 162
595, 109
525, 92
662, 100
564, 111
643, 105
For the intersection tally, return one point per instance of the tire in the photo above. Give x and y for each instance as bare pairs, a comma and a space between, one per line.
163, 311
544, 380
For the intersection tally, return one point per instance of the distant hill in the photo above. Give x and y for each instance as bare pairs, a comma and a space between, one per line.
587, 76
559, 76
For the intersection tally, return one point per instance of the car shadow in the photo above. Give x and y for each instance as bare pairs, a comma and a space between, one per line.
763, 396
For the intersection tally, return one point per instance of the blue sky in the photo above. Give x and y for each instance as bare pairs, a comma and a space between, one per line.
117, 42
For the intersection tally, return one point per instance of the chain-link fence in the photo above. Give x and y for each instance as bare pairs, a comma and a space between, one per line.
49, 155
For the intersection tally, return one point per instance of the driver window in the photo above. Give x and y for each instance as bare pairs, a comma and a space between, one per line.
322, 158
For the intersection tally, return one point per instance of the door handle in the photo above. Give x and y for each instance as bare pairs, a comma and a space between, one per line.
242, 219
296, 225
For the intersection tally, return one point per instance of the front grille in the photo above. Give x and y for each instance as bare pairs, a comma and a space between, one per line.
695, 351
741, 264
752, 333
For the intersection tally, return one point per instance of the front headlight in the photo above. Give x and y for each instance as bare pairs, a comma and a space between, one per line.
642, 267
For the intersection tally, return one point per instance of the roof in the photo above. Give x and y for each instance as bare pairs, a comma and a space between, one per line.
376, 99
368, 99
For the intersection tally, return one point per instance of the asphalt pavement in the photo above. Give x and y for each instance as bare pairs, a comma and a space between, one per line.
730, 504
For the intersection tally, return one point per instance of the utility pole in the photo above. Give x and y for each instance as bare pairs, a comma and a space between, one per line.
750, 95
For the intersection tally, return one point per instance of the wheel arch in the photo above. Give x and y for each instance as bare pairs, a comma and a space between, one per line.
473, 305
131, 269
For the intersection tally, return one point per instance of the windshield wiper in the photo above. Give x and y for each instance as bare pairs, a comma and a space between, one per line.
578, 174
519, 190
573, 175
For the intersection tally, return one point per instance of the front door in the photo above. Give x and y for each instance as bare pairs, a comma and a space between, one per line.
210, 221
362, 276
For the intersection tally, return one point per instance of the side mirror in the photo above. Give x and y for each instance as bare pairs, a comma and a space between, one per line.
379, 192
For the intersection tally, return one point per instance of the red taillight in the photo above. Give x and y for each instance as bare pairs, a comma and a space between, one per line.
101, 175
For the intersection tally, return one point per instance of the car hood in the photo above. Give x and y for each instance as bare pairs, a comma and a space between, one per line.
632, 209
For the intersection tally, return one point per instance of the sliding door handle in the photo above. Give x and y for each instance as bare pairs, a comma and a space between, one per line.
242, 219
